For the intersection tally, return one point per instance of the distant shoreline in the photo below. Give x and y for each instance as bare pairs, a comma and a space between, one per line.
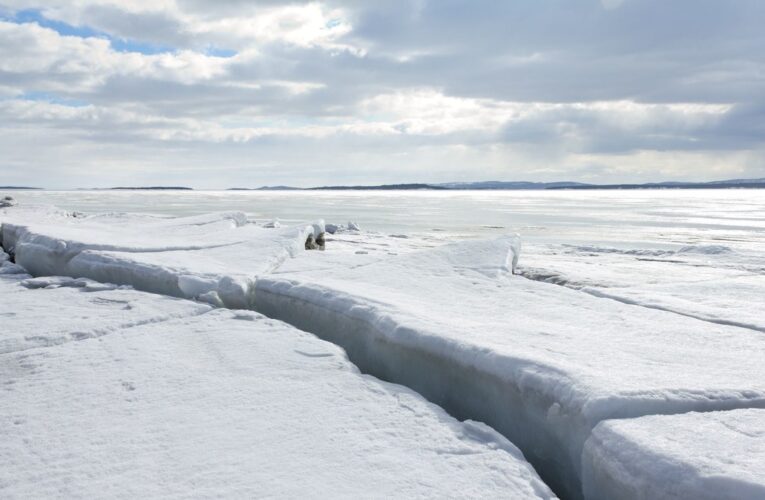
151, 188
453, 186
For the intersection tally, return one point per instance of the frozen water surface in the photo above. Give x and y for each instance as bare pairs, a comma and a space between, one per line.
704, 456
112, 393
625, 304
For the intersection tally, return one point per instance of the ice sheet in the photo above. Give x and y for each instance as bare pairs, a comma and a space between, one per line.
711, 282
539, 362
53, 311
213, 257
219, 404
703, 456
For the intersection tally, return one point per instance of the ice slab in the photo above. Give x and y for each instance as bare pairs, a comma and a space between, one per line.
541, 363
700, 456
213, 257
228, 405
50, 311
715, 283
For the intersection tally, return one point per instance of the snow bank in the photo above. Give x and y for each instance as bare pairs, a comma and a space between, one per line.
543, 364
700, 456
217, 404
214, 256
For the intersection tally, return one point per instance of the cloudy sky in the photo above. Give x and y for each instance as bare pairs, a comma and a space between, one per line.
215, 94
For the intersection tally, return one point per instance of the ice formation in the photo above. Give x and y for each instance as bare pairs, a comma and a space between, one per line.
7, 201
542, 364
710, 282
700, 456
124, 394
214, 257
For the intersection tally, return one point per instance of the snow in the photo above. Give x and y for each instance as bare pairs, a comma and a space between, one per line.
703, 456
149, 396
710, 282
640, 326
51, 311
213, 256
543, 364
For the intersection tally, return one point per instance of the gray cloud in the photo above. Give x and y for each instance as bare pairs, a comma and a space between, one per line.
386, 91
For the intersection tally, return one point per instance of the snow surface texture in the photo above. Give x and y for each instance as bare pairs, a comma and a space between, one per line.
152, 397
542, 364
701, 456
212, 257
77, 309
714, 283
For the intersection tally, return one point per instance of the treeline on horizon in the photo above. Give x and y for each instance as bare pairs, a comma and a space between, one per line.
465, 186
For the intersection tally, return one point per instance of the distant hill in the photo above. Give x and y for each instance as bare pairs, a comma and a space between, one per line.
480, 185
523, 185
380, 187
266, 188
152, 188
19, 188
511, 185
727, 184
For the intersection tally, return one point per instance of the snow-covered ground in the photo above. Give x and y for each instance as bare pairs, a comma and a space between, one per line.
622, 306
210, 257
541, 363
711, 282
110, 393
704, 456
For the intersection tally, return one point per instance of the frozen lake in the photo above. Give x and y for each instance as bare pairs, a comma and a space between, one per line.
734, 218
624, 305
694, 252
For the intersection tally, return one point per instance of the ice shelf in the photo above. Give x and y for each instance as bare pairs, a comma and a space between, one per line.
111, 393
213, 258
542, 364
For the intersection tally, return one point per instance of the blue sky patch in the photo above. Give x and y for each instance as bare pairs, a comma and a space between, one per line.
118, 44
34, 95
65, 29
218, 52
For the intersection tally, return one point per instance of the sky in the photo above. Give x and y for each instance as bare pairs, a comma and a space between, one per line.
240, 93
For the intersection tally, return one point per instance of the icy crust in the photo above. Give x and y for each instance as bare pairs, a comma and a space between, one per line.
49, 311
10, 272
224, 404
212, 257
700, 456
715, 283
543, 364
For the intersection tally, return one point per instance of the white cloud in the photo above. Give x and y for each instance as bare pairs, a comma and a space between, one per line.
42, 56
442, 92
244, 28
